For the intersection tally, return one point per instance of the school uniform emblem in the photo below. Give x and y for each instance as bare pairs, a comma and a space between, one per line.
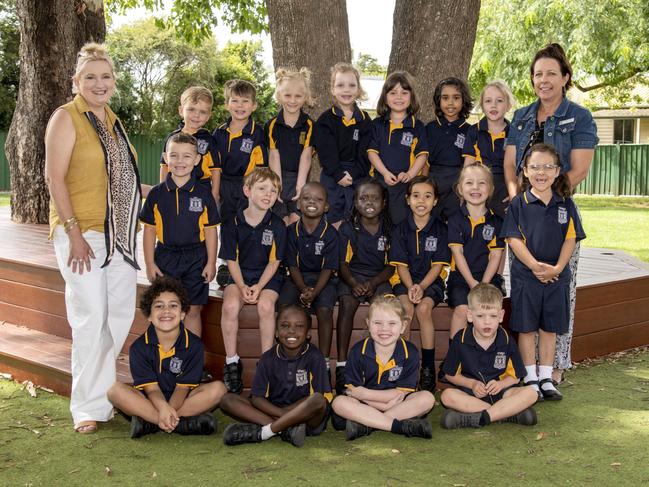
267, 237
175, 365
459, 142
406, 139
394, 373
356, 135
380, 243
302, 139
488, 232
195, 204
562, 215
431, 244
246, 145
500, 362
301, 378
319, 245
201, 146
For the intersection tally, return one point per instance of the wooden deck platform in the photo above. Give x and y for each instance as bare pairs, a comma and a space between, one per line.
612, 311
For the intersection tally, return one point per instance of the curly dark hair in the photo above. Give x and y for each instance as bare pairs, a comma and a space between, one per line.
462, 87
161, 285
561, 184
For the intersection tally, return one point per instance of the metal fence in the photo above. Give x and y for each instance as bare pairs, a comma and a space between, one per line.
616, 170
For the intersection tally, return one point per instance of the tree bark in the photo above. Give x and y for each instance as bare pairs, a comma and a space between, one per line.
51, 34
433, 40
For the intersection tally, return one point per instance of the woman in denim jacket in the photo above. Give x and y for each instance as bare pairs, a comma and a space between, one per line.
555, 120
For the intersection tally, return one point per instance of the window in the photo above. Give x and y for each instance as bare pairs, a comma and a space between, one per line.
623, 131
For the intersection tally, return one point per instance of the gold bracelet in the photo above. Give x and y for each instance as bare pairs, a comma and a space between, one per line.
69, 223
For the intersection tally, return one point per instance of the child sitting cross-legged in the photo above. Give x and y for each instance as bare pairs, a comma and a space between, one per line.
166, 365
381, 378
484, 365
290, 391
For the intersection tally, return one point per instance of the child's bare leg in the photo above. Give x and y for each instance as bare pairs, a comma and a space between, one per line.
311, 411
346, 312
409, 309
527, 347
547, 345
325, 329
413, 406
192, 319
232, 304
463, 402
458, 321
424, 313
353, 409
241, 409
266, 310
202, 399
515, 400
132, 402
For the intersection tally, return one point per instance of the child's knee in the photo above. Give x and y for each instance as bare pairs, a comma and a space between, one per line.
217, 391
426, 399
194, 311
266, 307
228, 400
114, 391
317, 402
448, 397
231, 307
341, 405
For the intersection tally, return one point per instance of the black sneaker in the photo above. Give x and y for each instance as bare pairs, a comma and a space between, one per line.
294, 435
338, 422
222, 275
420, 428
139, 427
340, 380
356, 430
452, 419
206, 376
427, 379
232, 377
527, 417
203, 424
240, 433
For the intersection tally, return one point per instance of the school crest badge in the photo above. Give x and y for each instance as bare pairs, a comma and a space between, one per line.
380, 243
302, 139
459, 141
500, 362
246, 146
394, 373
356, 135
301, 378
406, 139
175, 365
488, 232
201, 146
431, 244
267, 237
319, 245
562, 215
195, 205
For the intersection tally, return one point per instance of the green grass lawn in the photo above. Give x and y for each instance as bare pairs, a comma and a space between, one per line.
597, 435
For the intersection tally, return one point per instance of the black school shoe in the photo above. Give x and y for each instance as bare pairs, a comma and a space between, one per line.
427, 379
203, 424
419, 428
294, 435
139, 427
338, 422
527, 417
222, 275
240, 433
232, 377
550, 394
356, 430
452, 419
206, 376
340, 380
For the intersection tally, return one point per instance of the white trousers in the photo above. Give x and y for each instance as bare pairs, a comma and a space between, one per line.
100, 307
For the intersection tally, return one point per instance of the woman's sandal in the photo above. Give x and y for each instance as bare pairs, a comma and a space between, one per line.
86, 427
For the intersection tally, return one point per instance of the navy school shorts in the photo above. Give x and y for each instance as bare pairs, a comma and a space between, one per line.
287, 205
185, 263
435, 291
492, 399
232, 197
448, 202
275, 284
458, 289
290, 294
381, 290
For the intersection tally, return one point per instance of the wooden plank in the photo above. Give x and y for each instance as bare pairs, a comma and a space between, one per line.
620, 291
37, 320
49, 278
610, 316
32, 297
609, 341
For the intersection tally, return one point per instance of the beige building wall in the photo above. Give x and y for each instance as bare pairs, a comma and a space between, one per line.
644, 131
604, 130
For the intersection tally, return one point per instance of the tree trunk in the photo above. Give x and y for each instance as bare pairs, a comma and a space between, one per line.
433, 40
51, 34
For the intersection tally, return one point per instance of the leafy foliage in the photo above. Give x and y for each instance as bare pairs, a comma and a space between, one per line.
368, 64
606, 43
9, 61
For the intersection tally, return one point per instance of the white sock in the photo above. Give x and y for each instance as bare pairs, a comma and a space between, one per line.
545, 372
531, 374
266, 432
232, 360
341, 364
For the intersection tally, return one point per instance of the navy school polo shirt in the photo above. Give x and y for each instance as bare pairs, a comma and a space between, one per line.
253, 247
420, 249
364, 368
242, 152
446, 141
284, 381
181, 366
340, 140
487, 148
289, 141
206, 146
180, 215
398, 145
542, 228
466, 357
477, 237
312, 252
365, 253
